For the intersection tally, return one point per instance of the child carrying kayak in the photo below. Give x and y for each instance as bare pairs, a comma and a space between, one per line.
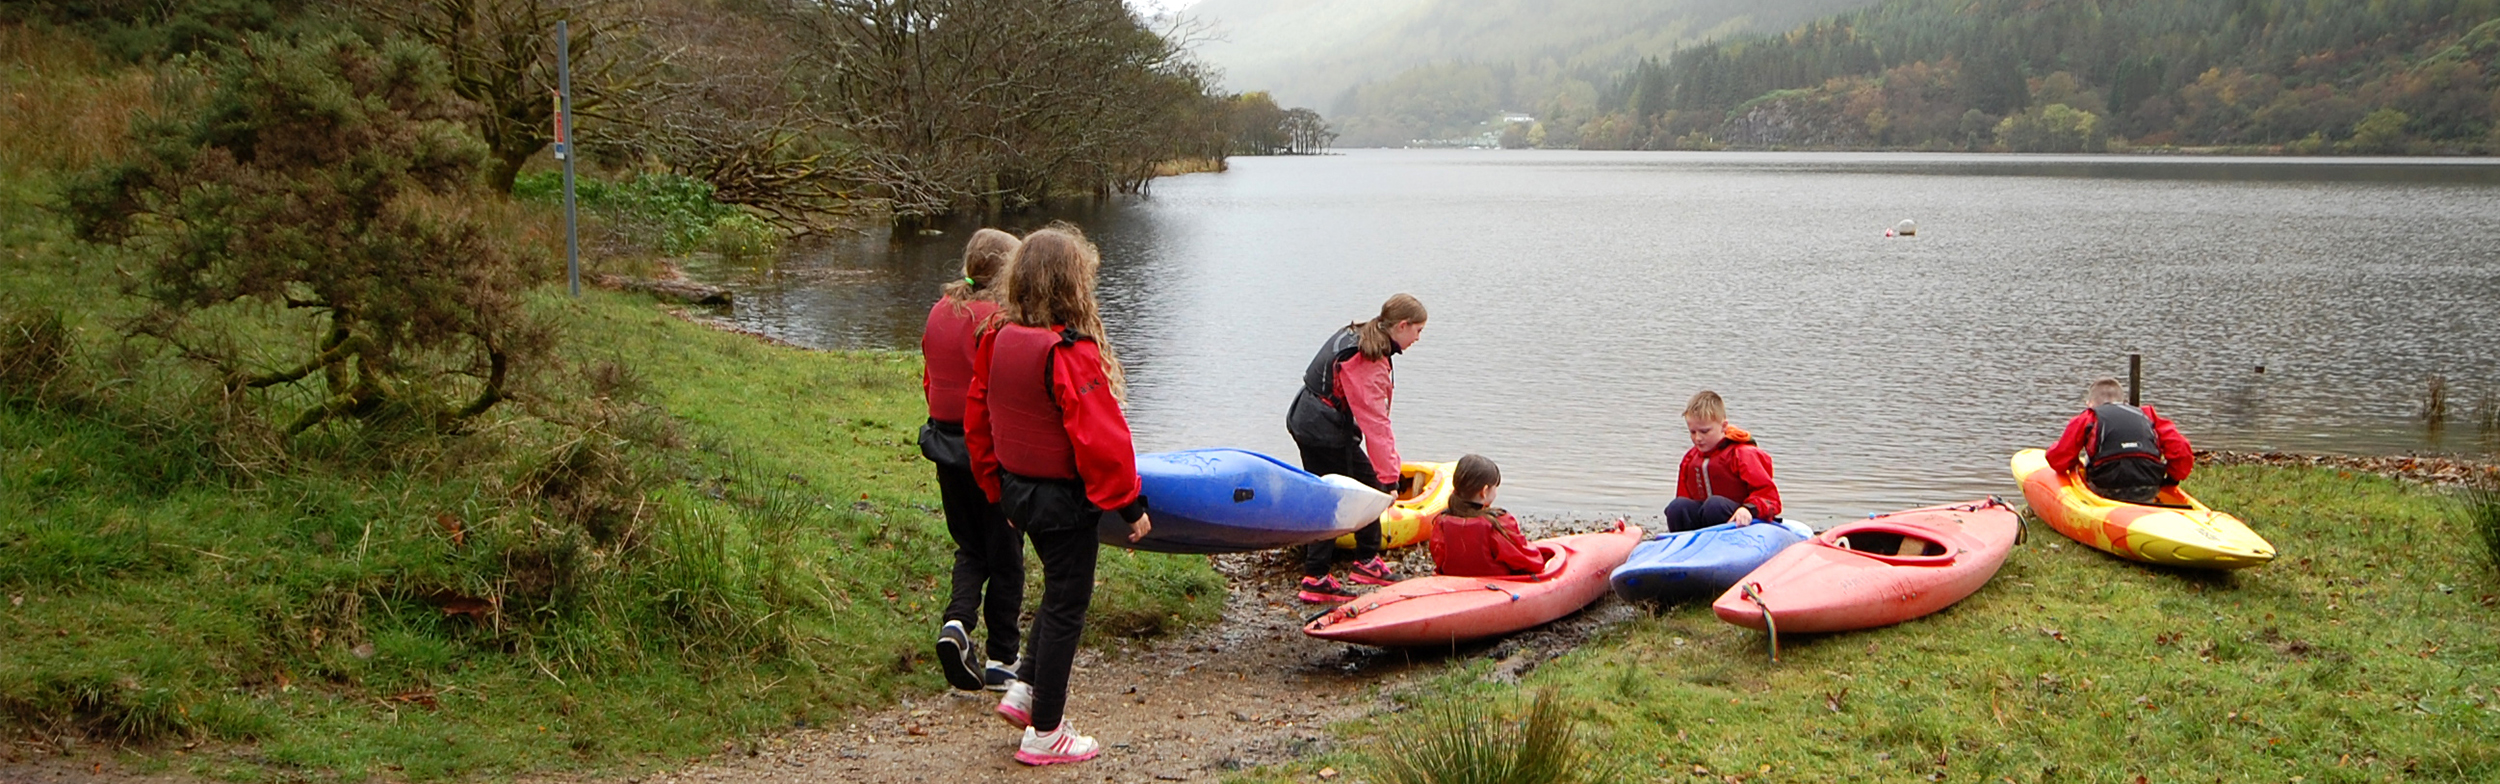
1050, 444
1475, 539
1340, 422
1724, 477
989, 554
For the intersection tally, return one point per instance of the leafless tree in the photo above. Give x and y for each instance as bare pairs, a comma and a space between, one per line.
998, 103
502, 55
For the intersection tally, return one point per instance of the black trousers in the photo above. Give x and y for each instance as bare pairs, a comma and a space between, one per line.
1345, 459
989, 563
1685, 514
1067, 589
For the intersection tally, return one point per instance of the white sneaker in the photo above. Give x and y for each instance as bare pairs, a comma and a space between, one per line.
1056, 746
997, 675
1016, 708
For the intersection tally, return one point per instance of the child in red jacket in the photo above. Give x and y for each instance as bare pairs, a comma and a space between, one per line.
1049, 442
989, 554
1474, 539
1724, 477
2126, 453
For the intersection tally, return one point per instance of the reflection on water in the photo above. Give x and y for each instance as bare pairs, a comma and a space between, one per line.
1579, 298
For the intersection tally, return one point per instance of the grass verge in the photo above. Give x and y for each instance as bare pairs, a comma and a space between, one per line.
2369, 652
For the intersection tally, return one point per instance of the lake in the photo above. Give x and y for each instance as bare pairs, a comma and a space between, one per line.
1579, 299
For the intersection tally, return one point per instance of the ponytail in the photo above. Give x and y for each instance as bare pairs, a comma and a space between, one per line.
1373, 336
985, 257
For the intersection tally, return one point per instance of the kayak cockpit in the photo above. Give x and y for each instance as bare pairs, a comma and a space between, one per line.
1891, 543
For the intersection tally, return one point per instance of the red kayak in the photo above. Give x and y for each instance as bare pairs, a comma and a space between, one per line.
1441, 610
1877, 572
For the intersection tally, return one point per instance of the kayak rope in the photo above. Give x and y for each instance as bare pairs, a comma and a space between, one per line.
1753, 593
1348, 612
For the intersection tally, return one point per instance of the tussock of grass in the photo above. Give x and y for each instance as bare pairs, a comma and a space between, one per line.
2479, 510
1461, 742
2370, 651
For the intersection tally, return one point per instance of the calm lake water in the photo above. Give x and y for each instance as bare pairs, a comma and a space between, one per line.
1578, 299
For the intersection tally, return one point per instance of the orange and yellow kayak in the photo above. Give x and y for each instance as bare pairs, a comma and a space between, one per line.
2180, 532
1409, 519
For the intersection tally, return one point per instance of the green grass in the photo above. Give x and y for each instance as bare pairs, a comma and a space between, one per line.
691, 538
2369, 652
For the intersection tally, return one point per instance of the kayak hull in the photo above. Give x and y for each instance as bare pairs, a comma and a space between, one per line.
2184, 532
1855, 576
1699, 563
1408, 521
1237, 501
1442, 610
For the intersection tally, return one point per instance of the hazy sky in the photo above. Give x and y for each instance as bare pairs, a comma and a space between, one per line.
1158, 6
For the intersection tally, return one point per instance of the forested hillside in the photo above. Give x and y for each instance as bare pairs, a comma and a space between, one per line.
1392, 70
2360, 77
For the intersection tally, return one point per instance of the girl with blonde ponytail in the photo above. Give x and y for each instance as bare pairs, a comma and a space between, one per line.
1050, 444
989, 555
1340, 421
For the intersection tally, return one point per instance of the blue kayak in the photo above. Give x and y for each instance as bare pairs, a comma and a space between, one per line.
1701, 563
1238, 501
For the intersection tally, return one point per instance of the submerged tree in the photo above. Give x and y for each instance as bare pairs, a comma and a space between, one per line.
329, 179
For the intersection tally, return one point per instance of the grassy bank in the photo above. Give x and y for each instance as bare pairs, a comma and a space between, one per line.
2369, 652
672, 538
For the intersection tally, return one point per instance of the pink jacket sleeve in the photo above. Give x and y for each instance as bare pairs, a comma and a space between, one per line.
1366, 385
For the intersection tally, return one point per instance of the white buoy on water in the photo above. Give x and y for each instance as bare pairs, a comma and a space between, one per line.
1906, 228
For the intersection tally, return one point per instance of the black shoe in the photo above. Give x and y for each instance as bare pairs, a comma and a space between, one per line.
997, 676
955, 657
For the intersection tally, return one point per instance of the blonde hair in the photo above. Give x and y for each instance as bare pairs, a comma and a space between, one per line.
2104, 390
984, 258
1373, 336
1050, 282
1706, 406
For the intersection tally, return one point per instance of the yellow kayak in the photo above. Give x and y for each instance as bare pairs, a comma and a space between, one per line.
2180, 532
1409, 519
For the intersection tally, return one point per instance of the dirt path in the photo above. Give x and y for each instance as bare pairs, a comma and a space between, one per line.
1249, 691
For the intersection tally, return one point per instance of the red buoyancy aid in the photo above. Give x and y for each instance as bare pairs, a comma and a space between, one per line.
946, 349
1025, 423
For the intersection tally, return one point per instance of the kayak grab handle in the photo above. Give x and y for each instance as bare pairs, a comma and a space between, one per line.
1753, 593
1241, 494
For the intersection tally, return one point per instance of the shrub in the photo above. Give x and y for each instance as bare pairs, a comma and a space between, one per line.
322, 188
669, 213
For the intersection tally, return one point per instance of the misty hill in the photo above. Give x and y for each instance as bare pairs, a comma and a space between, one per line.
2376, 77
1390, 70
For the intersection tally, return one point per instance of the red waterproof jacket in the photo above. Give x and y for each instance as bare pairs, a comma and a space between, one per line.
1040, 406
946, 347
1486, 546
2067, 455
1736, 470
